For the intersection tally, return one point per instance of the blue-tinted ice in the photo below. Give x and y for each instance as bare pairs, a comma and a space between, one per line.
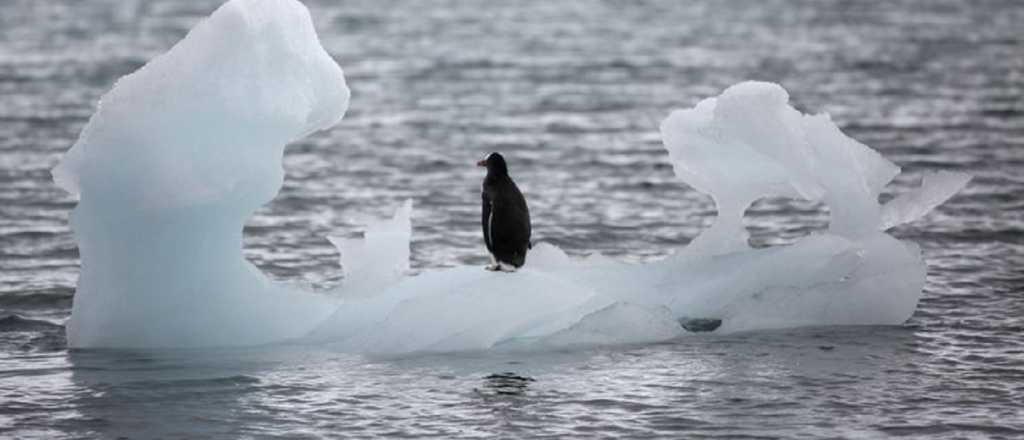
180, 153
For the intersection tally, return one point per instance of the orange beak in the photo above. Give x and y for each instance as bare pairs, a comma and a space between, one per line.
482, 163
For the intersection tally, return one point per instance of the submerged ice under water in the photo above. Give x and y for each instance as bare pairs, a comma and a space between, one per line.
180, 153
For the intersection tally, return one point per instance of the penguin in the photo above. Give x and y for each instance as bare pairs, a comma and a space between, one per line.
505, 219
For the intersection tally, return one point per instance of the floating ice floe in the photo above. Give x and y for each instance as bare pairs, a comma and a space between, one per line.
180, 153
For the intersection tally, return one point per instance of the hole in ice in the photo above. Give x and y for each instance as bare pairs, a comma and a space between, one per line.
773, 221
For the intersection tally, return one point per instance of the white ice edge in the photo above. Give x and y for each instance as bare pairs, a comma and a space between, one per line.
180, 153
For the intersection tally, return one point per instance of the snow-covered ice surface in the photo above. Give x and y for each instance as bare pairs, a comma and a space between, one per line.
180, 153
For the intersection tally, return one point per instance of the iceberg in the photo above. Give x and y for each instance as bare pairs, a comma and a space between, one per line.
180, 153
175, 159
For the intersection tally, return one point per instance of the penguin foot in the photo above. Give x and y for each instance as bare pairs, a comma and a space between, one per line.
500, 267
505, 267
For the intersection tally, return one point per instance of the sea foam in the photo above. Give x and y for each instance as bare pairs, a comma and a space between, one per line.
180, 153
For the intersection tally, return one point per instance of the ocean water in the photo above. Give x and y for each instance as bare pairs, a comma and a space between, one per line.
572, 94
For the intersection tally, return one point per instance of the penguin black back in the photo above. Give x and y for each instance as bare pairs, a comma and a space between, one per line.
505, 217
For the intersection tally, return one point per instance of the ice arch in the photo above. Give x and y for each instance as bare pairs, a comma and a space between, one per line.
180, 153
176, 158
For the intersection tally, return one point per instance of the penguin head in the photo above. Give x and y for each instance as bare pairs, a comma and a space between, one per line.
495, 164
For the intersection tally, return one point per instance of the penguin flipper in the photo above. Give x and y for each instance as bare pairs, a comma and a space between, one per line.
486, 211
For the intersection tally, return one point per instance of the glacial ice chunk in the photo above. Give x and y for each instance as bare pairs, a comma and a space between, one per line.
750, 143
618, 323
935, 189
180, 153
177, 157
746, 144
378, 259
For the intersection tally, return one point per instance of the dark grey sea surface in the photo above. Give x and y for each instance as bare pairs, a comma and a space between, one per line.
572, 93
